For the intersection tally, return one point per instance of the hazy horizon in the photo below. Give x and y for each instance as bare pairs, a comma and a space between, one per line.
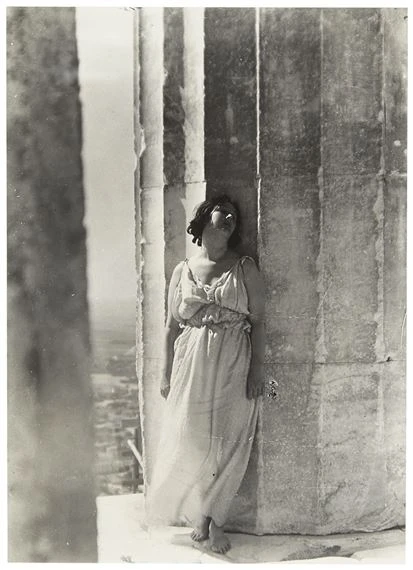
105, 49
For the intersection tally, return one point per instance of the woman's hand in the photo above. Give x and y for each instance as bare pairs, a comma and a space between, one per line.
255, 383
165, 387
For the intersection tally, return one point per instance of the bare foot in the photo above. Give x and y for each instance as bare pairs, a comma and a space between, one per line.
201, 529
219, 542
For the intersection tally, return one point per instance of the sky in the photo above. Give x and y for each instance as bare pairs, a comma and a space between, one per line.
105, 49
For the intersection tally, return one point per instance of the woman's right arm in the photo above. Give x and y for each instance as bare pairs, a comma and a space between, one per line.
172, 331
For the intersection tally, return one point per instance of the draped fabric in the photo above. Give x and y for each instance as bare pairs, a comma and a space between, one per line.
209, 423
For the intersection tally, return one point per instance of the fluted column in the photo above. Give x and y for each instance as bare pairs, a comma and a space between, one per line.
170, 143
150, 218
193, 103
174, 139
332, 144
290, 93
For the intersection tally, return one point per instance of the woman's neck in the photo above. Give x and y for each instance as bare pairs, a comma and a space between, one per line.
213, 252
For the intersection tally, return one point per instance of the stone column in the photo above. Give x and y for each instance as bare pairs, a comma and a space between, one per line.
170, 142
332, 142
193, 104
174, 139
151, 275
51, 506
353, 373
290, 84
394, 164
183, 128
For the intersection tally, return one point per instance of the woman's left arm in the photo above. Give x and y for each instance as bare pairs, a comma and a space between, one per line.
256, 305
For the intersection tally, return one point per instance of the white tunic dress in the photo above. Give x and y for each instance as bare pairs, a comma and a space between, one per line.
209, 423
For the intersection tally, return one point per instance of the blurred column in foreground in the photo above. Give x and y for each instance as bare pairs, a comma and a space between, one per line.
52, 512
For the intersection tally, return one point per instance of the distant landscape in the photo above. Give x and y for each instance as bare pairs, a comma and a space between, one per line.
113, 326
116, 407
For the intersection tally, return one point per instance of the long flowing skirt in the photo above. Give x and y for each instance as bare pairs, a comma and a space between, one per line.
208, 428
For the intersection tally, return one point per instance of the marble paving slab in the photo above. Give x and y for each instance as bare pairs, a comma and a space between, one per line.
124, 537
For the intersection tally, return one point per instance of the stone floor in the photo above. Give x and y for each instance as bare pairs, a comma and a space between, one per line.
122, 538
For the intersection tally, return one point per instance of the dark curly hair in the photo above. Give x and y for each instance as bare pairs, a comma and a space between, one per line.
202, 215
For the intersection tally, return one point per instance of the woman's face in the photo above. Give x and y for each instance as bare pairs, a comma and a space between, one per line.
224, 218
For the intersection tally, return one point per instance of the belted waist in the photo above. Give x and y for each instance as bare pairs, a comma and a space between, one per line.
216, 317
216, 326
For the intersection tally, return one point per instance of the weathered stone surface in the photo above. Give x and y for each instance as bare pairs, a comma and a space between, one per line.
350, 266
151, 79
350, 454
193, 94
394, 269
175, 227
352, 91
329, 441
289, 248
230, 112
290, 59
173, 112
24, 507
193, 98
395, 156
386, 555
52, 512
395, 89
394, 439
290, 464
351, 255
323, 256
353, 454
183, 129
173, 139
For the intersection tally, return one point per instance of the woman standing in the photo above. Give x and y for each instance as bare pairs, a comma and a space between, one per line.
214, 348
